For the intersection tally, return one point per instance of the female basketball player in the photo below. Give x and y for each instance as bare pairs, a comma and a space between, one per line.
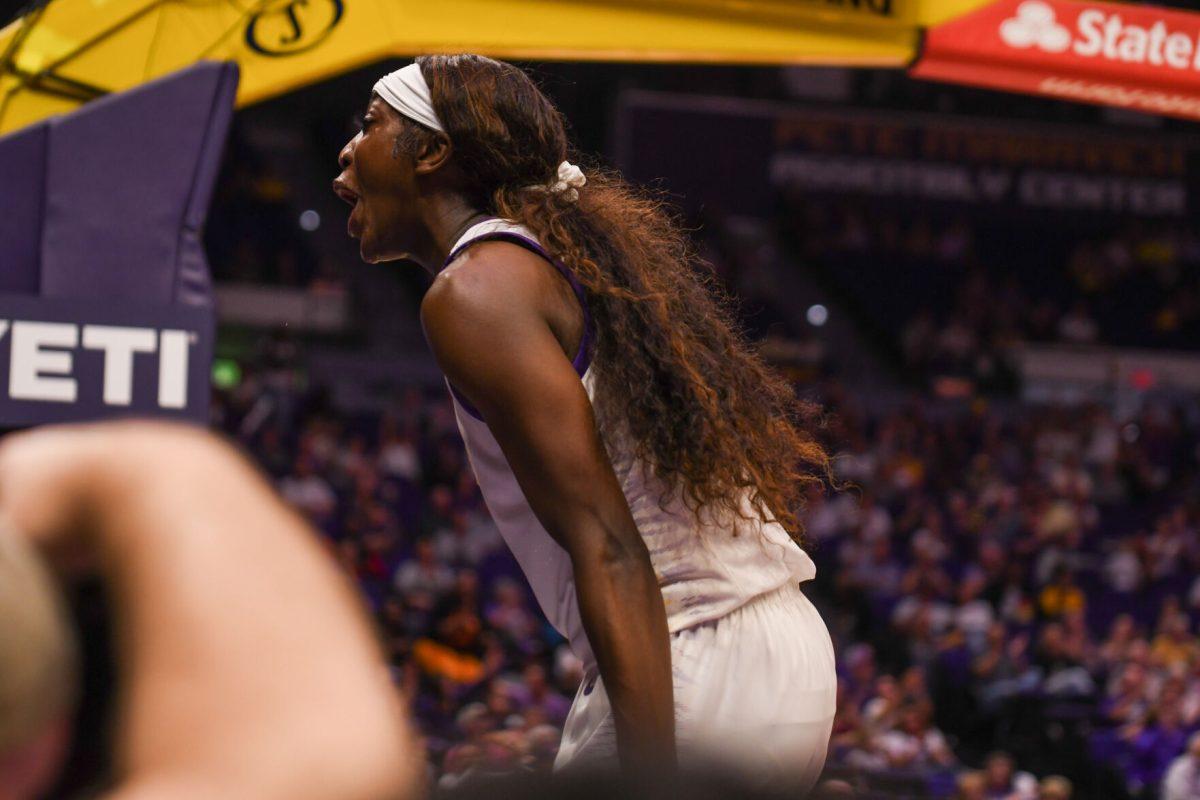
642, 463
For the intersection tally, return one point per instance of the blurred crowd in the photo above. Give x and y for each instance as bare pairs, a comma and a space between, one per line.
1020, 578
975, 287
1011, 589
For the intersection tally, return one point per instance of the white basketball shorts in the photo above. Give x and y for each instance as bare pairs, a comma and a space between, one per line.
755, 692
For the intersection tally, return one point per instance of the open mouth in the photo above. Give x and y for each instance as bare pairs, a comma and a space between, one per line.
353, 227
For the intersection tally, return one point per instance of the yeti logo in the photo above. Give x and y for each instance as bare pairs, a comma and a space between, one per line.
1035, 26
41, 360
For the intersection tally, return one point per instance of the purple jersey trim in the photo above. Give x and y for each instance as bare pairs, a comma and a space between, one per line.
583, 358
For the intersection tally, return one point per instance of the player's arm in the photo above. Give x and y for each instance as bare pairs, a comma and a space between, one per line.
247, 666
491, 335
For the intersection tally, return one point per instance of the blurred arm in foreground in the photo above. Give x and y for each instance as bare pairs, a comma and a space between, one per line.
247, 667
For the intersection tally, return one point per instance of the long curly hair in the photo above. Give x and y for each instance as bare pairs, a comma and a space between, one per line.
673, 370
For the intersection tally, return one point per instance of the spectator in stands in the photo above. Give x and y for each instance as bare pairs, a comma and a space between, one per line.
1174, 645
974, 615
1054, 787
535, 691
971, 786
460, 544
1061, 595
1004, 669
424, 573
1062, 670
1154, 744
882, 712
508, 612
858, 678
1004, 782
1182, 779
1129, 693
1124, 568
459, 765
398, 455
914, 742
308, 491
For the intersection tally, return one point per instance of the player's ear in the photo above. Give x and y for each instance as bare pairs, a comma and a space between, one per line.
433, 153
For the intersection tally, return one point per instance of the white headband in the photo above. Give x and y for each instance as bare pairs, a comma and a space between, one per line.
406, 91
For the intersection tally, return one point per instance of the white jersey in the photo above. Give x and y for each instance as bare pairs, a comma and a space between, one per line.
706, 568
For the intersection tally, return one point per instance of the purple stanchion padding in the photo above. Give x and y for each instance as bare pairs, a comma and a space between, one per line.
128, 183
193, 284
105, 293
22, 172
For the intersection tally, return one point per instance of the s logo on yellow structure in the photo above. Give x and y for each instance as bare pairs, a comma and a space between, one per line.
287, 27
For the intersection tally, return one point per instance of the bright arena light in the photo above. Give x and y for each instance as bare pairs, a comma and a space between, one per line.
817, 315
310, 220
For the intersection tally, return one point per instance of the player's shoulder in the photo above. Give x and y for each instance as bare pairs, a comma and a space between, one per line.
487, 280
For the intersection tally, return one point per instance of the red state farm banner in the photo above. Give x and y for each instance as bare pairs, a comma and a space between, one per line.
1139, 57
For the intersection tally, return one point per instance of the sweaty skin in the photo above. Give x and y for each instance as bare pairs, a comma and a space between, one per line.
248, 667
501, 323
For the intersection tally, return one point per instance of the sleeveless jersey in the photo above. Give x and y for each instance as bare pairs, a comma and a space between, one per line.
706, 567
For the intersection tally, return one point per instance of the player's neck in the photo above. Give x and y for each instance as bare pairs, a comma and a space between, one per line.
446, 218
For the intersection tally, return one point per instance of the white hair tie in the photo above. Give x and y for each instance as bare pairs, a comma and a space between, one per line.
570, 179
406, 91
